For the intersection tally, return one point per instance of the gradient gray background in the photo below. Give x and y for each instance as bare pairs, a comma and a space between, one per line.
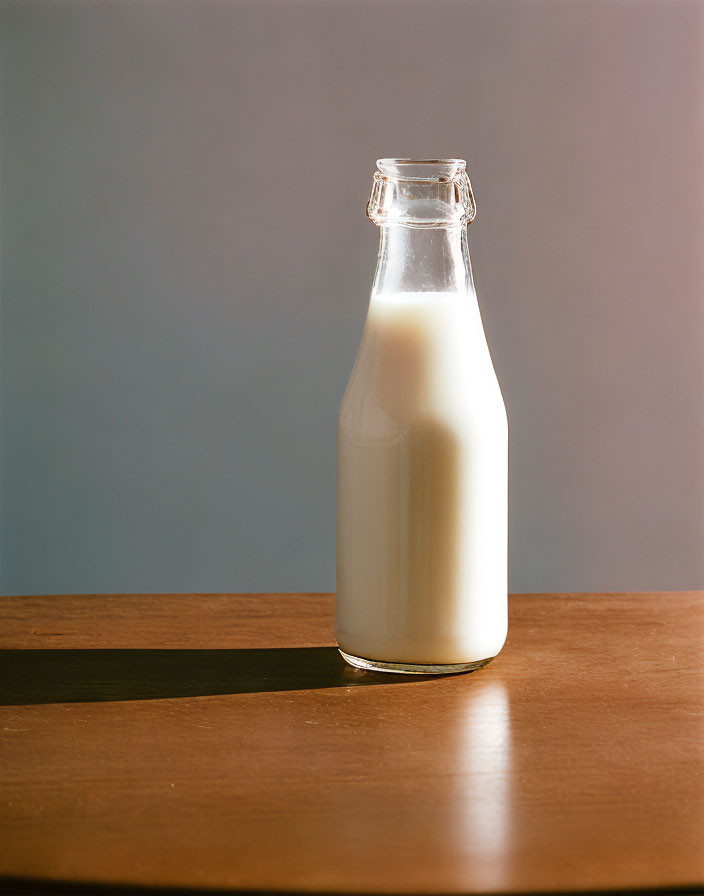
186, 266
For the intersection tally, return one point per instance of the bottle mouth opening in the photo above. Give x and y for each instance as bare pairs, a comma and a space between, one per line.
421, 170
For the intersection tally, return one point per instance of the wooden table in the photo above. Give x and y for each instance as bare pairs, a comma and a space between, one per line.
219, 741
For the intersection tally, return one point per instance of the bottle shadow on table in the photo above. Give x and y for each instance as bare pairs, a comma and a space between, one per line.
79, 676
35, 887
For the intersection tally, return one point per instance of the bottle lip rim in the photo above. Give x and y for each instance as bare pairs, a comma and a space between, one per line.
412, 161
407, 170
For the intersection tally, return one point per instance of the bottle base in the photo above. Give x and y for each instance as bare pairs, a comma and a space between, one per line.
412, 668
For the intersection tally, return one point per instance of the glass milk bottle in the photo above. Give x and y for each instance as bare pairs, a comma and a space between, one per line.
422, 476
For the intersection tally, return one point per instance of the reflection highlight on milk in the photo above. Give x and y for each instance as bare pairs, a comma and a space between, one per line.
422, 486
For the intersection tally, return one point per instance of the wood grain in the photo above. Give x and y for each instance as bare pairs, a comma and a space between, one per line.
218, 741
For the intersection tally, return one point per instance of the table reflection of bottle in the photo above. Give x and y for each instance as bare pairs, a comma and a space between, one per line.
483, 757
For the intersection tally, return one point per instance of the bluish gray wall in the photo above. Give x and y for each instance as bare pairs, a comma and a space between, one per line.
186, 264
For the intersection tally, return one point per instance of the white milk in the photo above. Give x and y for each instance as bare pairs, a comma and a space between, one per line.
422, 487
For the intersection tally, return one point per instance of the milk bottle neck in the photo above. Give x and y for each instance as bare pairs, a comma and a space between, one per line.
423, 259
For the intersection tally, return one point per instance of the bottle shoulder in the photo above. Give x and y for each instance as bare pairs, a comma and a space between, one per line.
423, 359
363, 415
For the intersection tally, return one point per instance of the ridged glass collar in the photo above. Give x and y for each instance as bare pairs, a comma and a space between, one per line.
421, 193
